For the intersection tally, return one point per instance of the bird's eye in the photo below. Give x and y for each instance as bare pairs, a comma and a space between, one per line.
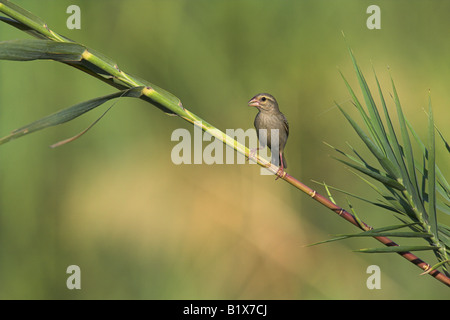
263, 99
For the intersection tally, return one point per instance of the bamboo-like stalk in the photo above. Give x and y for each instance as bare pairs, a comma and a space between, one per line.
167, 102
363, 226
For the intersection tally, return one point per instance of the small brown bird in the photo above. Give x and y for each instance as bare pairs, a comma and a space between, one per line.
269, 117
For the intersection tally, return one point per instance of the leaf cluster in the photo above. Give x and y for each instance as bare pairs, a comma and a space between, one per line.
413, 187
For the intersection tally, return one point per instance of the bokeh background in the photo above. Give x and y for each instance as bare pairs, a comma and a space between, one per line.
141, 227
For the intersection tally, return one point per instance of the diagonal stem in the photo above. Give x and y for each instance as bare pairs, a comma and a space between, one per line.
363, 226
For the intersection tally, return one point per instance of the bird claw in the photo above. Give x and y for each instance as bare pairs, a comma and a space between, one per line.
280, 173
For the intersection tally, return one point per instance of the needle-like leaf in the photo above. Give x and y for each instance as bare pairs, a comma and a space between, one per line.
410, 177
431, 174
396, 249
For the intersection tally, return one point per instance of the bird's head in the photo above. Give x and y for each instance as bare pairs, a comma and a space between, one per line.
264, 102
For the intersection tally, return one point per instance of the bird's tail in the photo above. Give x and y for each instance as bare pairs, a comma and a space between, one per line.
284, 160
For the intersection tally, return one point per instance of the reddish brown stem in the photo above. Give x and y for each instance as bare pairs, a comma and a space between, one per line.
350, 218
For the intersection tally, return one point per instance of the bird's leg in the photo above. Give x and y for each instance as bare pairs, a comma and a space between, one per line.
280, 173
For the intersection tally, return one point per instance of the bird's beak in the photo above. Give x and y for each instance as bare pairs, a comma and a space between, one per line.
253, 103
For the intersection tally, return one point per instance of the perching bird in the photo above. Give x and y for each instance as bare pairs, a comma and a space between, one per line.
269, 117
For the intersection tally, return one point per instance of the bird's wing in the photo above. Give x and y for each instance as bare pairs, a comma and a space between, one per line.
286, 125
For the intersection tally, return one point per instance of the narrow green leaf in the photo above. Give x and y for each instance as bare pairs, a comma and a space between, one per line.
365, 168
65, 141
395, 207
391, 137
447, 146
29, 20
329, 193
396, 249
443, 186
325, 241
441, 206
35, 49
69, 114
21, 26
437, 265
357, 104
28, 15
374, 232
345, 154
376, 126
395, 145
410, 177
358, 220
401, 234
376, 151
432, 174
389, 231
385, 229
375, 174
416, 227
369, 143
444, 235
444, 229
394, 198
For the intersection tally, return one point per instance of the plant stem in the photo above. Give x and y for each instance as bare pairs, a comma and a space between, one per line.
363, 226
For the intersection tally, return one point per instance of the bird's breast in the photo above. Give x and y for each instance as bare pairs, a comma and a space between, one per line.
269, 121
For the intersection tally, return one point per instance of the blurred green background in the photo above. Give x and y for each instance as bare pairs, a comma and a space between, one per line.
141, 227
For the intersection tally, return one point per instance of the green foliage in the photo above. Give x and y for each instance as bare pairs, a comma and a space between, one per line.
52, 46
34, 49
409, 186
69, 114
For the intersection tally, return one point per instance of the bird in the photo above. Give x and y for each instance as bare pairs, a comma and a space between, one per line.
269, 117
